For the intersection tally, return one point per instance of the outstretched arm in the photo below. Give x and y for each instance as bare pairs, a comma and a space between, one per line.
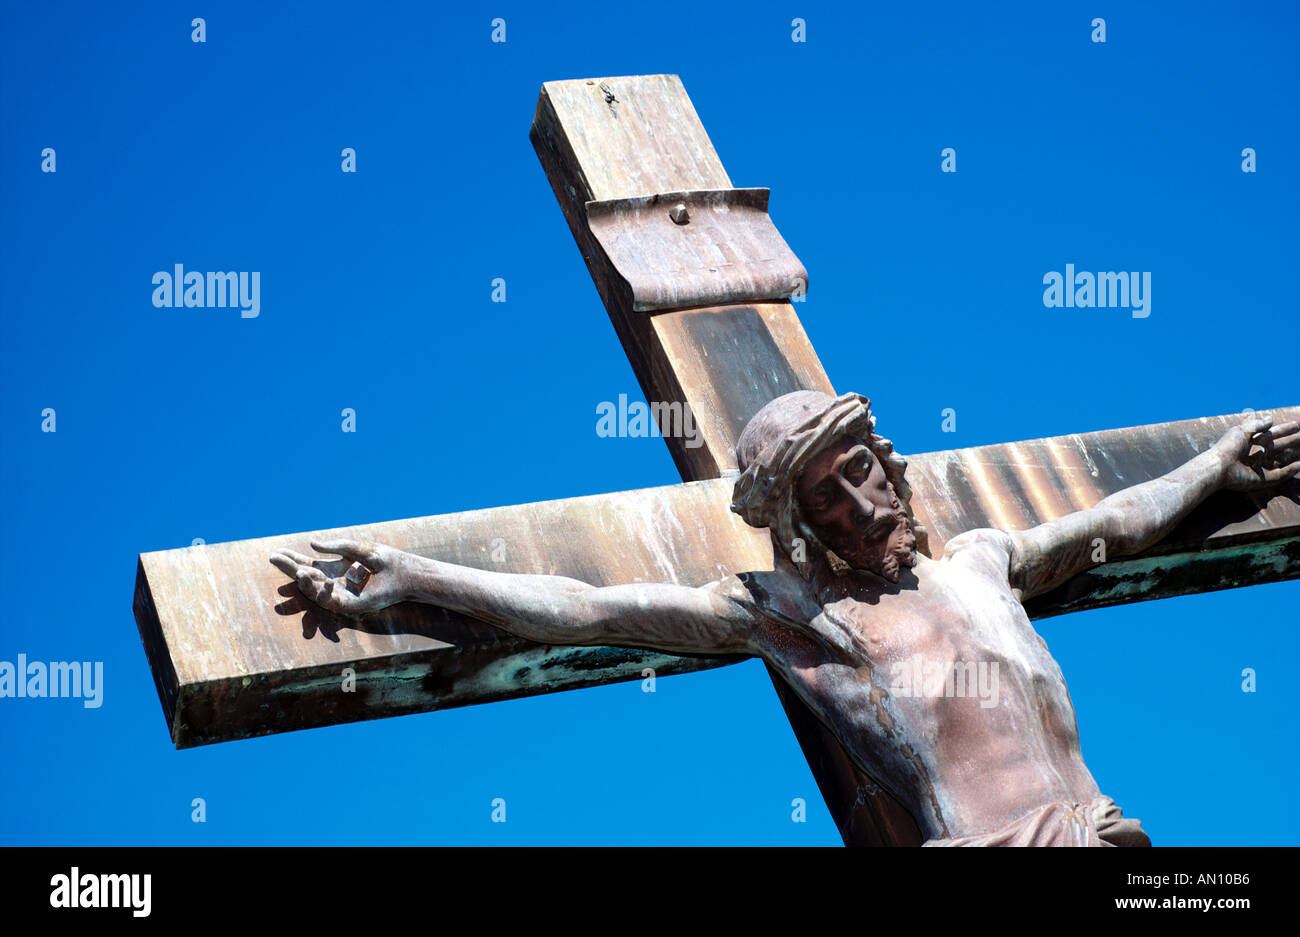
545, 609
1248, 457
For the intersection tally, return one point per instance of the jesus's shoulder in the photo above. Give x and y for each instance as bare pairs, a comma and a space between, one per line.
986, 544
793, 623
775, 594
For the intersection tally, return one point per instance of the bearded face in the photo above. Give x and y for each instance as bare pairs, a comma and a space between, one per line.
845, 497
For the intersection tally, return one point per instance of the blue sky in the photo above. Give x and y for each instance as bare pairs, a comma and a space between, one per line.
174, 424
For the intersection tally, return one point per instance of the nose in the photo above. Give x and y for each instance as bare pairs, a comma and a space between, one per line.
861, 510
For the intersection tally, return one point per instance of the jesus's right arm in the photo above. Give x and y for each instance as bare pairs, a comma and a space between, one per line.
710, 619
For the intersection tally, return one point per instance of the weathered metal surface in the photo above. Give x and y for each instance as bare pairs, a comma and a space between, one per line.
237, 652
723, 362
1015, 486
1268, 554
703, 248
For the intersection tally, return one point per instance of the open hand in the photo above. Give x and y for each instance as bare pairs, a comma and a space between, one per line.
370, 576
1258, 454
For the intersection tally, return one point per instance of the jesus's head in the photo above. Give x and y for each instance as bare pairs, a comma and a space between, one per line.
814, 471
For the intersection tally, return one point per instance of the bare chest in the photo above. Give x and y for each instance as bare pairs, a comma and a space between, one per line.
956, 633
943, 690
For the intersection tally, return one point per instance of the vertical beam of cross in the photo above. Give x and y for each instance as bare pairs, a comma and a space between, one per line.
724, 361
615, 138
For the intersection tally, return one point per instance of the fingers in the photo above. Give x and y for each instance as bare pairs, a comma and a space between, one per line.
356, 550
313, 583
1280, 431
1276, 446
299, 558
1241, 436
290, 561
321, 589
285, 563
1284, 450
1283, 437
1273, 476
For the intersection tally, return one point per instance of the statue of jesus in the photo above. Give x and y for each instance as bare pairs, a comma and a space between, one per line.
854, 603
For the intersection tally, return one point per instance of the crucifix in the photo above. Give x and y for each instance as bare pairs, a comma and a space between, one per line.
890, 599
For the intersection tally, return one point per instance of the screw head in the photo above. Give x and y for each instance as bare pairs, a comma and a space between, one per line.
679, 214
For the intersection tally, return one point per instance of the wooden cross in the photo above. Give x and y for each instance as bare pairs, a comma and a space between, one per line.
229, 641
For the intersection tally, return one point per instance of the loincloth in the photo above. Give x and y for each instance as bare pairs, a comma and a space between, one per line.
1096, 823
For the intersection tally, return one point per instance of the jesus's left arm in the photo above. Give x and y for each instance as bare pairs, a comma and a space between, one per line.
1249, 457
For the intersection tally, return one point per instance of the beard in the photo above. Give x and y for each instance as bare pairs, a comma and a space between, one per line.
889, 553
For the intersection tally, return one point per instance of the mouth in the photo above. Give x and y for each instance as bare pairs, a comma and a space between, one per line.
883, 522
885, 547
